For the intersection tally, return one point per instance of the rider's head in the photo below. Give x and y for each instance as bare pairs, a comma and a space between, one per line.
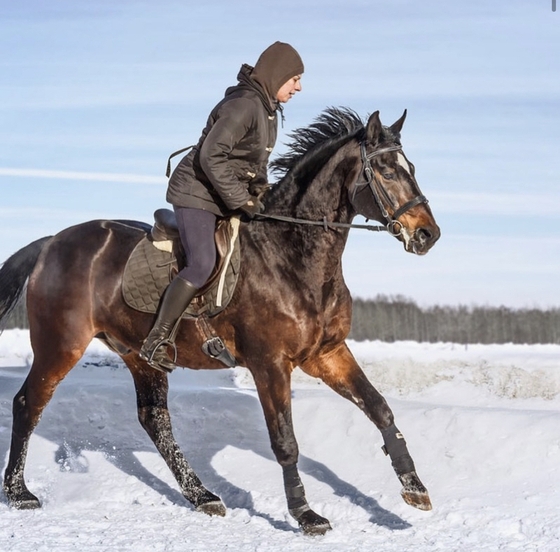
278, 70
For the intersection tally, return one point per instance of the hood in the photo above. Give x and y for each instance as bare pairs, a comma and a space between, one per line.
275, 66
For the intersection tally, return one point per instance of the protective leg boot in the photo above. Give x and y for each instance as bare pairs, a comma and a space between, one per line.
176, 299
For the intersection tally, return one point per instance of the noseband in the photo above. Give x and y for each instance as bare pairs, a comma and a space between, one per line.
378, 191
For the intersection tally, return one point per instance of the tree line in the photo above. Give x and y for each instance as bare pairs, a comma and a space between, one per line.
17, 318
397, 318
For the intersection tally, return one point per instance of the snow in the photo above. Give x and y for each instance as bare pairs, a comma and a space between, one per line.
481, 423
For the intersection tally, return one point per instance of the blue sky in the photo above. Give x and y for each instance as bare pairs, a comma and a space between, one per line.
95, 95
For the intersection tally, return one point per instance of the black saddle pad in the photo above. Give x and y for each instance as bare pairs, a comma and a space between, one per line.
152, 266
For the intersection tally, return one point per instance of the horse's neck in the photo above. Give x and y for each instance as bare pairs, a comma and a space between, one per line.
321, 198
316, 250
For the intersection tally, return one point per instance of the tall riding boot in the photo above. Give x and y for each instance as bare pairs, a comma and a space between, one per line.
176, 299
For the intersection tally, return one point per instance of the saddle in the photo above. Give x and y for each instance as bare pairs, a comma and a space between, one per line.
159, 256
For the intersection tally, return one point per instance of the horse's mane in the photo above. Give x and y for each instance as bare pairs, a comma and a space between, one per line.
311, 146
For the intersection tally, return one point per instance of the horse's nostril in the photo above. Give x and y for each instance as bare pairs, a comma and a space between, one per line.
427, 236
423, 235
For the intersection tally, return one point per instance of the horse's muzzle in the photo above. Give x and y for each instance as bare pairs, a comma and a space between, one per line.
421, 240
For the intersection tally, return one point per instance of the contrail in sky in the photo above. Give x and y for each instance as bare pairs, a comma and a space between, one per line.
71, 175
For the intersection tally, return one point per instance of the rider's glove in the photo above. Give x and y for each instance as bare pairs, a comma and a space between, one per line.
253, 207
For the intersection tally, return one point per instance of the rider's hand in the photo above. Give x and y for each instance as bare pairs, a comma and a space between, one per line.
253, 207
258, 189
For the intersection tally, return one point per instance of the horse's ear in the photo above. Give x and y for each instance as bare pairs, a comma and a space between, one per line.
396, 127
373, 129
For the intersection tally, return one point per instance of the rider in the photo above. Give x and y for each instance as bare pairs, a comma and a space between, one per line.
216, 177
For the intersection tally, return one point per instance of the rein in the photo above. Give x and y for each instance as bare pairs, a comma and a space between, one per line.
324, 223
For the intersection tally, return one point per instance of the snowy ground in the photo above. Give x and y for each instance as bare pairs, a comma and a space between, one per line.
482, 423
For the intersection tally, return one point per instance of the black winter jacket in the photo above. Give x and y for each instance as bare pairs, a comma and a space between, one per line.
232, 152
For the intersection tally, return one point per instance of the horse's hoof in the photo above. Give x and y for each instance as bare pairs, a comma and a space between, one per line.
414, 493
416, 499
27, 504
24, 501
213, 508
313, 524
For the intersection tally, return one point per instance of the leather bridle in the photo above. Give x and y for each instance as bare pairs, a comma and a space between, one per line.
380, 194
377, 191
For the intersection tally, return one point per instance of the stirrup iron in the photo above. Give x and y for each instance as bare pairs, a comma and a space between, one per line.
214, 347
168, 342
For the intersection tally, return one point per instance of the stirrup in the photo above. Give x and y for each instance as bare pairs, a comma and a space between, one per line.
149, 355
214, 347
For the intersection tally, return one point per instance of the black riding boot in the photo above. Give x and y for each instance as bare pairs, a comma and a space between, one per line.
176, 299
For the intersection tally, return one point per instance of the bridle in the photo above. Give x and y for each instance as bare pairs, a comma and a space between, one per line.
378, 191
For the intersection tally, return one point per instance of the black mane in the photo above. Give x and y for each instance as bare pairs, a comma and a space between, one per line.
311, 146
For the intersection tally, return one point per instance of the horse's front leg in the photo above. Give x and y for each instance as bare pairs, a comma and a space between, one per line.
151, 394
273, 388
340, 371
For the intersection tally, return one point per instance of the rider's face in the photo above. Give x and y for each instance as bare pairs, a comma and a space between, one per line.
289, 88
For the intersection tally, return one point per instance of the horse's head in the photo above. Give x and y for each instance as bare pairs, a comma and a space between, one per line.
387, 190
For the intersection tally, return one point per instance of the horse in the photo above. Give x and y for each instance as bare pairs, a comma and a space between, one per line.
290, 308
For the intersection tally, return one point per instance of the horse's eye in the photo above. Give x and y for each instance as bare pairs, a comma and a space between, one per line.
388, 176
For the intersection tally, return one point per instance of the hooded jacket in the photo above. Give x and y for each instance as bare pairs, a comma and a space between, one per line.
240, 134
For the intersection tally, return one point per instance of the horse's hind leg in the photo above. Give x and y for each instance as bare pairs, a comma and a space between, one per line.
50, 365
151, 395
341, 372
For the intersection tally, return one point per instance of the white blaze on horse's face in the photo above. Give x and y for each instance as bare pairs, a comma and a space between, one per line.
404, 163
407, 236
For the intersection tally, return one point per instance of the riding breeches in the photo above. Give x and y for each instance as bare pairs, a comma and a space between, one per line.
196, 229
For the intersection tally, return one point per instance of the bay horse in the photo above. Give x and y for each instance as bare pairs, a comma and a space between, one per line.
291, 307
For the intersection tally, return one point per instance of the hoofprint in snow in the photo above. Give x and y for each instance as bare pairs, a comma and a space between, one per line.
482, 424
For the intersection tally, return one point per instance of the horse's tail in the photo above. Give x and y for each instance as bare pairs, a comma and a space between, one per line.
14, 274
